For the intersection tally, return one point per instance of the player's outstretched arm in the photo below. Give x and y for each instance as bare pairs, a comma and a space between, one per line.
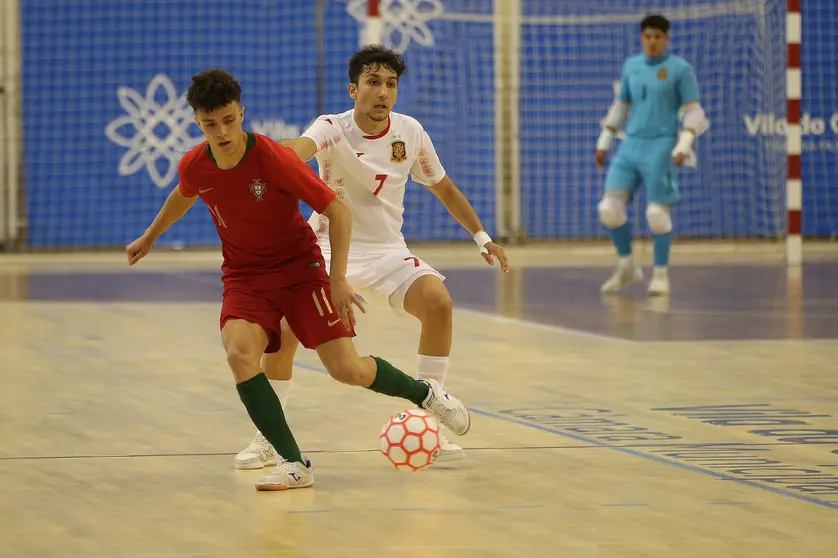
321, 135
173, 209
463, 212
304, 147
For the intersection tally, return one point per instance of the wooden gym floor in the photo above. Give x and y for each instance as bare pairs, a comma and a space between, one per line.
703, 425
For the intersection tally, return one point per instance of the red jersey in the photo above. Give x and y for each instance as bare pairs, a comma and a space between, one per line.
255, 206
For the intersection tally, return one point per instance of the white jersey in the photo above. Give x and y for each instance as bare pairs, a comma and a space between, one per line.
370, 174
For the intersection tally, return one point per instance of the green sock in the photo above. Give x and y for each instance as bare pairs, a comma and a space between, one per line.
391, 381
264, 409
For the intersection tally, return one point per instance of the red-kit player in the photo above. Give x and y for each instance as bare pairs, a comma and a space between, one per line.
273, 268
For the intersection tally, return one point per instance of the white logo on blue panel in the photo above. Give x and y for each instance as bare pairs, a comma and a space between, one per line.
402, 21
156, 127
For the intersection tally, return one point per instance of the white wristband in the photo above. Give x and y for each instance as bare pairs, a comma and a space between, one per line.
685, 143
606, 138
482, 239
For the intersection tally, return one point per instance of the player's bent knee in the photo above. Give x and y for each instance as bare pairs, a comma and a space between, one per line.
439, 306
243, 362
236, 357
612, 212
244, 342
428, 300
658, 218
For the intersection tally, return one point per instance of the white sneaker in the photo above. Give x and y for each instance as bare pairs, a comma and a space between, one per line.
446, 409
624, 275
260, 453
287, 475
449, 451
659, 286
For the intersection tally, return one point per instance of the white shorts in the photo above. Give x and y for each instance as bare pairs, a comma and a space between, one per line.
384, 276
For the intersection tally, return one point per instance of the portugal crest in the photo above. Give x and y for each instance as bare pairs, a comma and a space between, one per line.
258, 189
398, 151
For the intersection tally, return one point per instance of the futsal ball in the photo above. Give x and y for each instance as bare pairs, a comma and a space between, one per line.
410, 440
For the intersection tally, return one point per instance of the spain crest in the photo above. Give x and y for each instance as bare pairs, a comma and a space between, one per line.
258, 189
398, 151
662, 73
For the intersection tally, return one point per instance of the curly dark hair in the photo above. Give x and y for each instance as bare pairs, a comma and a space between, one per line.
213, 89
655, 21
373, 57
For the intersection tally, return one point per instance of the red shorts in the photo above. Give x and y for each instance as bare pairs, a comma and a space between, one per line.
306, 306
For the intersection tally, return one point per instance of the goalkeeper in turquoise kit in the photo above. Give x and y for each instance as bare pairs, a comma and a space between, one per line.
659, 105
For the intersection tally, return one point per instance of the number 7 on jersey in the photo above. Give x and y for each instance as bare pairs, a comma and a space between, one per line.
381, 178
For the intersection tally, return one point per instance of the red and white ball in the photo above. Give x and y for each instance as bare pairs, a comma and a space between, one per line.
410, 440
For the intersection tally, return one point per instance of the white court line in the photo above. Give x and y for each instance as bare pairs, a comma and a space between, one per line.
185, 275
747, 313
498, 318
824, 341
546, 327
817, 341
491, 315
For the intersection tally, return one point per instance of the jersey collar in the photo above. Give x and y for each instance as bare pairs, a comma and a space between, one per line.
654, 60
251, 141
382, 134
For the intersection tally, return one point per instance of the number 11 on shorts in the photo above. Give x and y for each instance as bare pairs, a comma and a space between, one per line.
325, 299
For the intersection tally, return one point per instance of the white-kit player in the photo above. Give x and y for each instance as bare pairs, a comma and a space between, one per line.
366, 155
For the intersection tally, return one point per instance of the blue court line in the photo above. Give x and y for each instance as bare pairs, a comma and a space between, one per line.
629, 451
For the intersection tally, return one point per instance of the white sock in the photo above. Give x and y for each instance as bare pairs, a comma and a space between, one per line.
624, 261
283, 391
432, 368
661, 271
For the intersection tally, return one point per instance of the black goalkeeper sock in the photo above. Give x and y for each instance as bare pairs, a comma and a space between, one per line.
265, 411
391, 381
